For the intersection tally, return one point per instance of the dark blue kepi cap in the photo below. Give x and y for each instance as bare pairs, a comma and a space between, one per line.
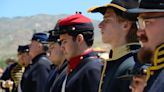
40, 37
23, 48
52, 37
148, 6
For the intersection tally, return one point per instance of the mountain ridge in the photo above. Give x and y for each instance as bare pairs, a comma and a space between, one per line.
18, 31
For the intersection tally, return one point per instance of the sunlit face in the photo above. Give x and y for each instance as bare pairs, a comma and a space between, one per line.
69, 46
110, 27
152, 35
55, 53
34, 48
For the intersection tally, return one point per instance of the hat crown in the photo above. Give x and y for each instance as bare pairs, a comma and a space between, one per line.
40, 37
75, 23
23, 48
126, 3
122, 5
52, 36
74, 19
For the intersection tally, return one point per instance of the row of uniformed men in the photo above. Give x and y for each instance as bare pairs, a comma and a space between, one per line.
78, 67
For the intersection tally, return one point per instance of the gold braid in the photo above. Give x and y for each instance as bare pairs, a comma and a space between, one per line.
16, 74
158, 62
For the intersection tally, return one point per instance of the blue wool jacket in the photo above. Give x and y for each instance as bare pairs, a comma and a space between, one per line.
35, 76
86, 76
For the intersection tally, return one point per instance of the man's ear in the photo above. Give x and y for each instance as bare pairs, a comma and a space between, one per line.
40, 45
127, 25
80, 38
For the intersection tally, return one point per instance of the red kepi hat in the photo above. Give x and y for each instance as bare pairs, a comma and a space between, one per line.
76, 23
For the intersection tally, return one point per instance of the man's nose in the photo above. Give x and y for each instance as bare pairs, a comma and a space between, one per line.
140, 32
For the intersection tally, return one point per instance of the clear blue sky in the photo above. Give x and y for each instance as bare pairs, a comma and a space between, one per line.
13, 8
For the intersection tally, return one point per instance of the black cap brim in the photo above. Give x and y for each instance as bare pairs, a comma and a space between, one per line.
142, 10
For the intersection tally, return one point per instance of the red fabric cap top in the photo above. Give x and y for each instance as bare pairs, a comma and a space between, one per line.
74, 19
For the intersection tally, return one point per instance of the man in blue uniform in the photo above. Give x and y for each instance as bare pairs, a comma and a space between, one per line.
118, 30
13, 73
36, 74
56, 55
150, 32
84, 66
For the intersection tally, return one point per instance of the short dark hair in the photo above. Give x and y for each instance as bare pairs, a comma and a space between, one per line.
88, 36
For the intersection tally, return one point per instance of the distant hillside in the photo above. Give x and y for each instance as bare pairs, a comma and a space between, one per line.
18, 30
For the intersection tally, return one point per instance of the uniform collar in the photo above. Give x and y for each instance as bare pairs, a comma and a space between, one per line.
159, 55
158, 62
121, 51
73, 62
37, 57
60, 69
